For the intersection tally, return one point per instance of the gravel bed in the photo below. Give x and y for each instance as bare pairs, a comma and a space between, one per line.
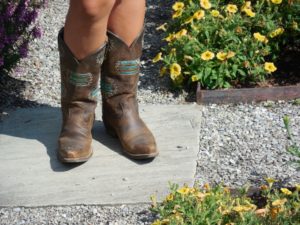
239, 144
81, 215
243, 144
38, 77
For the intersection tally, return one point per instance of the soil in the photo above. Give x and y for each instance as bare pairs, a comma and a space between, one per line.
288, 67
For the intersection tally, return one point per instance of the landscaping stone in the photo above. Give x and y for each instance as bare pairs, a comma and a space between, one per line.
31, 175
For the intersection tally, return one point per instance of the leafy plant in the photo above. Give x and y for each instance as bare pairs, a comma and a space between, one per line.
216, 206
292, 149
17, 29
224, 43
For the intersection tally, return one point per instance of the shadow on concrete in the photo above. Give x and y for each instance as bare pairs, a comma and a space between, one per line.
100, 135
43, 124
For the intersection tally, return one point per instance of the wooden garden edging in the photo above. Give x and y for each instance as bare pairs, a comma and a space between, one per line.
247, 95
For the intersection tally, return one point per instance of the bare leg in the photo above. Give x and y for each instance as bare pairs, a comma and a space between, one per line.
86, 24
127, 19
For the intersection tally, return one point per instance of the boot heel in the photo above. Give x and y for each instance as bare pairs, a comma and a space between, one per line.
109, 130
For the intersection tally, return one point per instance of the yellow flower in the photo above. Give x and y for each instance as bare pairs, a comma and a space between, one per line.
162, 71
189, 20
297, 187
277, 2
249, 12
230, 54
261, 212
156, 222
221, 56
183, 190
205, 4
169, 197
279, 202
157, 57
244, 208
177, 14
153, 200
178, 6
194, 78
207, 55
270, 180
173, 51
263, 187
175, 70
215, 13
181, 33
206, 186
247, 5
286, 191
276, 32
270, 67
162, 27
201, 195
199, 14
170, 37
231, 8
295, 25
260, 37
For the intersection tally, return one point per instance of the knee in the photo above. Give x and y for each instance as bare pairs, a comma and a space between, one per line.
92, 10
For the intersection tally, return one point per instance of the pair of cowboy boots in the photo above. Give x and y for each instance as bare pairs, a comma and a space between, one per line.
118, 66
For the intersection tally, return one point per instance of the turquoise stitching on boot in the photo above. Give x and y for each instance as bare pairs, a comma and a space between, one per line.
106, 88
95, 92
80, 79
128, 67
126, 62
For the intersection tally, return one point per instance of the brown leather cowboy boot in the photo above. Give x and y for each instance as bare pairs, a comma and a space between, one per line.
79, 91
120, 74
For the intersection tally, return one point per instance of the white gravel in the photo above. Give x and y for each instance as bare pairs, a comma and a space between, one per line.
239, 144
41, 68
243, 144
78, 215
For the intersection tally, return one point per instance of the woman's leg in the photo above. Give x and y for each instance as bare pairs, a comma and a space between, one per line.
120, 74
127, 19
86, 24
83, 38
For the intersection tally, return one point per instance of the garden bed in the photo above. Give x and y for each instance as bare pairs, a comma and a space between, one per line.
284, 85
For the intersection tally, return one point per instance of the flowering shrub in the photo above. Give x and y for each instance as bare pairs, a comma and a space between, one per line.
216, 206
17, 29
223, 43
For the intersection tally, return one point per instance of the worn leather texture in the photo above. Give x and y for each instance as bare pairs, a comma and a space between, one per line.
120, 75
79, 91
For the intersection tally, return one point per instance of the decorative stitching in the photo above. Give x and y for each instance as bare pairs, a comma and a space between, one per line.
128, 67
106, 88
81, 79
94, 93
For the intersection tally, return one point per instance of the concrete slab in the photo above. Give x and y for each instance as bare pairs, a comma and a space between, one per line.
30, 174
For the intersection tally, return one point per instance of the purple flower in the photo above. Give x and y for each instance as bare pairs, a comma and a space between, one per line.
10, 9
29, 17
36, 32
23, 50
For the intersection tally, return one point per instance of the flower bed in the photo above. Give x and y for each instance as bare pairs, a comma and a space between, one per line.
217, 205
221, 44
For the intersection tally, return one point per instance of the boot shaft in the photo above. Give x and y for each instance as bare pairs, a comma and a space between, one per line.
80, 78
121, 67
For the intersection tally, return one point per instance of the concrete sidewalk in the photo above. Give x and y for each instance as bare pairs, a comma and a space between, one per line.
30, 174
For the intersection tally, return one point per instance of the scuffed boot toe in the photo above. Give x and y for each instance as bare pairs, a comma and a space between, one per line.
141, 149
73, 153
